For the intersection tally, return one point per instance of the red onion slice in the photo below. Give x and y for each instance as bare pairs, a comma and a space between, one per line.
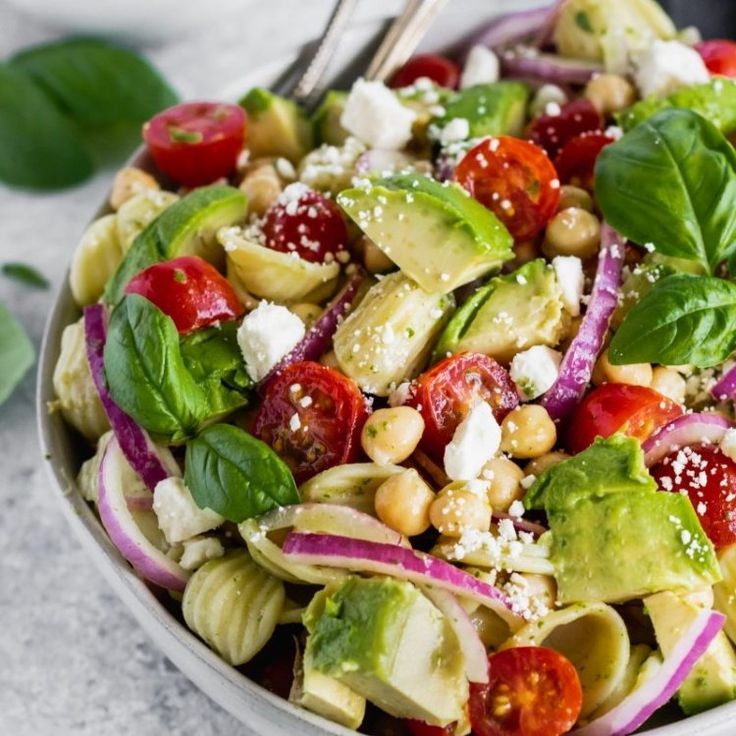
512, 28
547, 68
577, 365
521, 525
725, 387
420, 568
634, 709
144, 457
148, 561
689, 429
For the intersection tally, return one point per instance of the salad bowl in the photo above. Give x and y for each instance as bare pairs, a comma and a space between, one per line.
259, 710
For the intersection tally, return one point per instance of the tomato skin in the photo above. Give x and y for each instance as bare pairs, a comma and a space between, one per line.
420, 728
196, 143
719, 55
575, 163
438, 68
329, 426
533, 691
552, 132
637, 411
189, 290
515, 180
311, 226
709, 478
446, 393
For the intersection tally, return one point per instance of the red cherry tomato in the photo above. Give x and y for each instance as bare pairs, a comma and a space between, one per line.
439, 69
552, 132
420, 728
305, 222
637, 411
533, 691
446, 393
719, 56
191, 291
330, 412
709, 478
196, 143
515, 179
575, 163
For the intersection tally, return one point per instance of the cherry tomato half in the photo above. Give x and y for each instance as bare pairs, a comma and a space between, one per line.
312, 416
552, 132
196, 143
533, 691
439, 69
709, 478
637, 411
305, 222
190, 290
575, 163
719, 56
446, 393
513, 178
420, 728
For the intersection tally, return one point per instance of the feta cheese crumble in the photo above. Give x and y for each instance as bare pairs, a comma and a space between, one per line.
570, 277
267, 334
534, 371
481, 67
178, 515
199, 550
458, 129
728, 444
666, 66
476, 440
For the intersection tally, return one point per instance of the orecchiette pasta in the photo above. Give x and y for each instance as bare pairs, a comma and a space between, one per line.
138, 212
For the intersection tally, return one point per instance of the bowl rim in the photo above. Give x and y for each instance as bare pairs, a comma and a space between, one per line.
251, 704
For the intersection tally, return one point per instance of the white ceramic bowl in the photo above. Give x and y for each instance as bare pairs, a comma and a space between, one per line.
259, 710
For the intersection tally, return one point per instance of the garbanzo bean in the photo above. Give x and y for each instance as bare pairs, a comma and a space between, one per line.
635, 374
262, 185
128, 182
505, 478
572, 232
374, 259
669, 383
528, 432
610, 93
456, 509
571, 196
543, 462
391, 435
402, 502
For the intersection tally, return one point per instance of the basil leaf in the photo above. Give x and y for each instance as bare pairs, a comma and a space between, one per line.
145, 372
671, 181
25, 274
683, 319
16, 353
236, 475
39, 147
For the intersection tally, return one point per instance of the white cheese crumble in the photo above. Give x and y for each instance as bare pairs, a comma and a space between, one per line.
728, 444
374, 114
400, 395
178, 515
476, 440
570, 277
267, 334
481, 67
666, 66
534, 371
458, 129
199, 550
546, 94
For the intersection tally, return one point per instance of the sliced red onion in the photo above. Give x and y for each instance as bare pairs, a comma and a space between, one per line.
380, 161
474, 653
389, 559
521, 525
319, 337
511, 28
148, 561
151, 464
547, 68
577, 365
725, 387
636, 707
689, 429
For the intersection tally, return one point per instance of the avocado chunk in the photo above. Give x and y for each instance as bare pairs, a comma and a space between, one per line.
186, 228
508, 314
712, 680
490, 109
276, 126
435, 233
714, 100
326, 119
382, 638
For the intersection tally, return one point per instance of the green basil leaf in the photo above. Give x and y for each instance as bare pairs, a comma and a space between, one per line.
39, 147
671, 181
683, 319
145, 372
95, 82
25, 274
16, 353
237, 475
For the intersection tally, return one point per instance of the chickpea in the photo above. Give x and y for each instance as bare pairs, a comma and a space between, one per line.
669, 383
537, 466
505, 478
402, 502
528, 432
610, 93
571, 196
572, 232
456, 508
391, 435
307, 313
375, 260
262, 185
635, 374
128, 182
